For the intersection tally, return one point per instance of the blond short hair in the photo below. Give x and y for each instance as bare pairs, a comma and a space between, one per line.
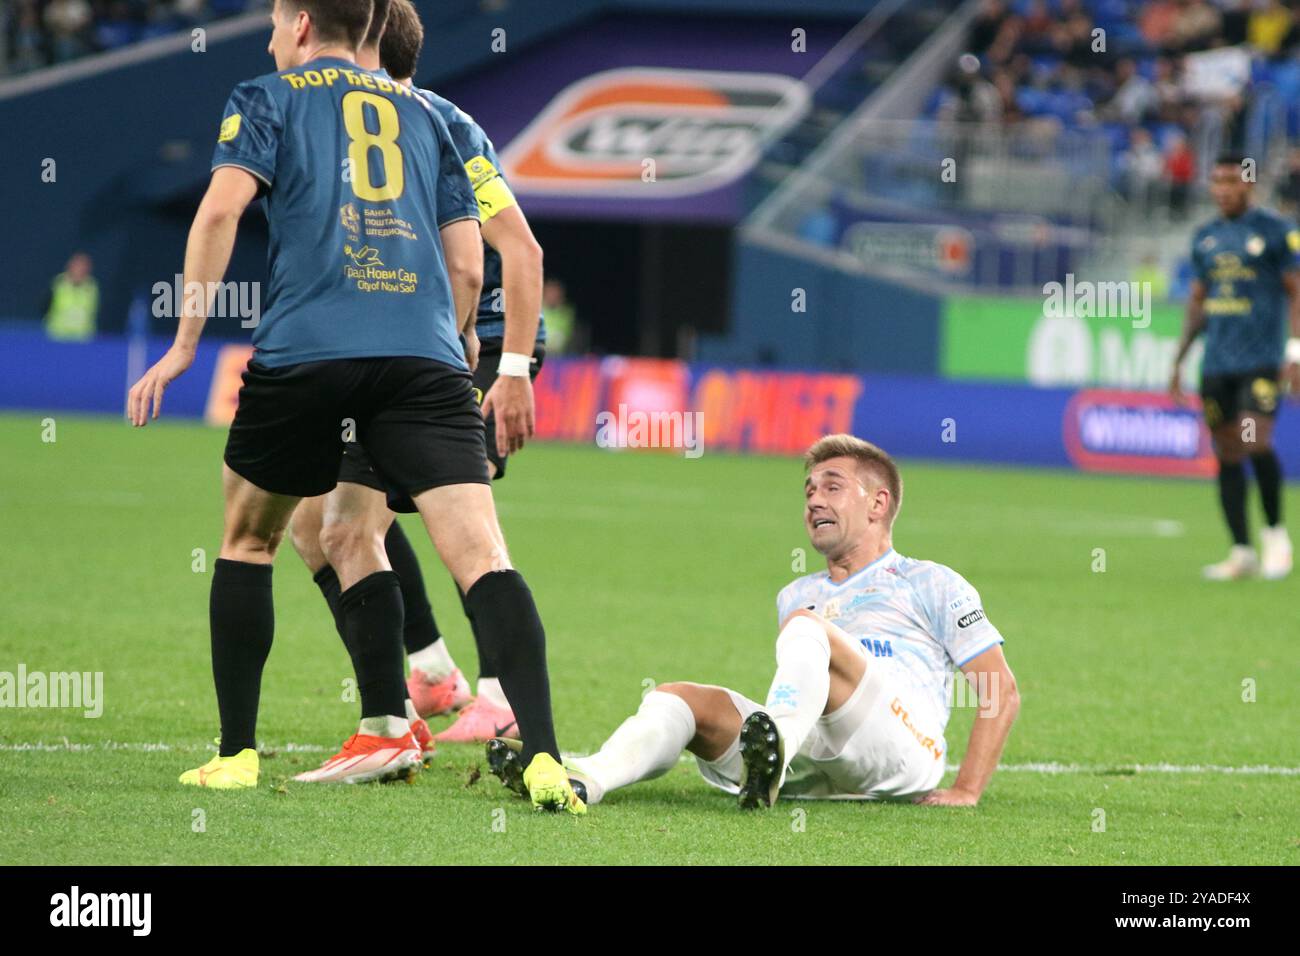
871, 459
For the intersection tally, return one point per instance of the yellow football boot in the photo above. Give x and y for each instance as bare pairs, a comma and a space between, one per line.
225, 773
549, 787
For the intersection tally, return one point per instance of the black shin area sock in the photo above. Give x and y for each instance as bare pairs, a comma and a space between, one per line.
487, 668
371, 613
502, 607
420, 629
1232, 496
1268, 473
328, 582
242, 617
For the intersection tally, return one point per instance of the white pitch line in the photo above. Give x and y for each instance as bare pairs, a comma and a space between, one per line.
1139, 768
67, 746
1050, 768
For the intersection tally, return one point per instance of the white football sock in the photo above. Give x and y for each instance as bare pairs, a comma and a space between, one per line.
646, 745
489, 688
385, 726
412, 715
433, 661
802, 682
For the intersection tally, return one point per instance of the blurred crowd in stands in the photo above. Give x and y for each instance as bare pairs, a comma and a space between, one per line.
1161, 80
37, 33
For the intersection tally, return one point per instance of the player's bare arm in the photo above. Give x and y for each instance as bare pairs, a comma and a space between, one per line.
511, 396
1193, 325
207, 254
999, 701
462, 247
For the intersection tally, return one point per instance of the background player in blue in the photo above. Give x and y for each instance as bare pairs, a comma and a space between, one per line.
1245, 292
359, 342
513, 274
865, 657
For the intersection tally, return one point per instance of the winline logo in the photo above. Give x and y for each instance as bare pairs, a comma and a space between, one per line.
103, 909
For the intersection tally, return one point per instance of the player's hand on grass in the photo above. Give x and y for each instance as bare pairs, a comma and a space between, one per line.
144, 401
511, 397
949, 798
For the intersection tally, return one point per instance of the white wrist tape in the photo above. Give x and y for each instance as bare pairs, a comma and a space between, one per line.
1293, 350
514, 363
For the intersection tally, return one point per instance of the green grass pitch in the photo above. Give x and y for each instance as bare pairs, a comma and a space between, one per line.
647, 568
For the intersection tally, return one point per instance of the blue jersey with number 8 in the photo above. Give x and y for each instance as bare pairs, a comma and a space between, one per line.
358, 175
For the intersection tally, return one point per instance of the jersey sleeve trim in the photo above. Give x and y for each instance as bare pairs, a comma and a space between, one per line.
246, 167
447, 222
989, 645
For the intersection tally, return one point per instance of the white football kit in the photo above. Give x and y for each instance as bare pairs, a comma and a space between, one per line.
914, 621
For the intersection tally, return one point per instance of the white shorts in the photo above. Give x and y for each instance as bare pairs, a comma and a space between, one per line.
883, 743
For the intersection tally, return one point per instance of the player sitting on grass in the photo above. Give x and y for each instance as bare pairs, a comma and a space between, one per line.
864, 661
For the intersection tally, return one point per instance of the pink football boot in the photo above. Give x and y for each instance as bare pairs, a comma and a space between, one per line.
434, 698
480, 722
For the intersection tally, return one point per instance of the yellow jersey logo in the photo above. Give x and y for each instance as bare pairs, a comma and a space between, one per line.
229, 128
490, 189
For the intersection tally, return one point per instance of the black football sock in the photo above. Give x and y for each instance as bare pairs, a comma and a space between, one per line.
501, 604
1268, 472
371, 614
328, 582
1232, 495
242, 617
420, 630
487, 669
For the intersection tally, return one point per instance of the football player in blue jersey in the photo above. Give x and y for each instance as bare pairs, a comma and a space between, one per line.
866, 652
512, 274
1244, 297
375, 263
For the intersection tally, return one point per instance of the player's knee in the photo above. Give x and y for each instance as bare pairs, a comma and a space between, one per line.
711, 707
698, 697
799, 612
473, 563
344, 541
306, 541
802, 630
249, 545
683, 689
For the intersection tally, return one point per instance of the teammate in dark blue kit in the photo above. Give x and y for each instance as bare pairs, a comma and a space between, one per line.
367, 202
363, 506
1245, 292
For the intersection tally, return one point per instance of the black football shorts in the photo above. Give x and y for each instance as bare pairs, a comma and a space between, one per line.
1225, 397
416, 418
358, 468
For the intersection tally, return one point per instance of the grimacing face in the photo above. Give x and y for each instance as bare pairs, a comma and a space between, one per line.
839, 498
1229, 190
